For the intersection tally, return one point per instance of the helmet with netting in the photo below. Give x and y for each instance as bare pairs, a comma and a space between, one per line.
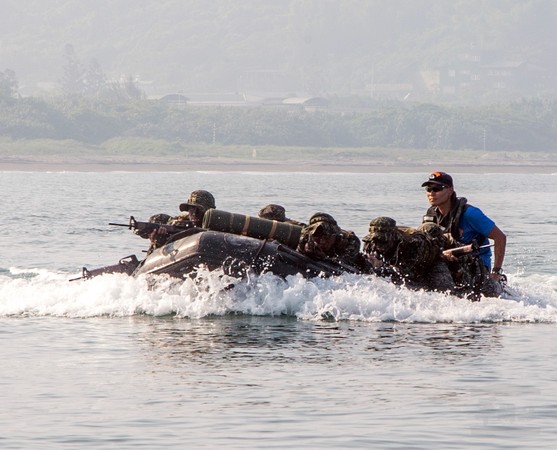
199, 198
273, 212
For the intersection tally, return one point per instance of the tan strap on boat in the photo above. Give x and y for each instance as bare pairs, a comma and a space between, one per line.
273, 229
246, 226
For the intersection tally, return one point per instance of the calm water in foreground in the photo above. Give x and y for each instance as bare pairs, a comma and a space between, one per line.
109, 363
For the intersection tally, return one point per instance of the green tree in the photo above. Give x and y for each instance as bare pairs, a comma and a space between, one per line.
74, 72
94, 82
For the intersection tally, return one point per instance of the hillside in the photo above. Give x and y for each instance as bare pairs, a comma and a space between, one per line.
315, 47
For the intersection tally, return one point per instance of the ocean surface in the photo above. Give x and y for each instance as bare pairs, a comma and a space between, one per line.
112, 363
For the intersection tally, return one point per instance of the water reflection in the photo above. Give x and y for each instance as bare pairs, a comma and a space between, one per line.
255, 340
449, 342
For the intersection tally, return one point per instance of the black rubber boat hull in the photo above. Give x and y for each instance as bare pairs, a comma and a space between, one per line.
235, 255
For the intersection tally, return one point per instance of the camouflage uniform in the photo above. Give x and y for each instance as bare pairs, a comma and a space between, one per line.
197, 199
160, 218
180, 220
156, 239
469, 274
345, 248
278, 213
441, 240
407, 255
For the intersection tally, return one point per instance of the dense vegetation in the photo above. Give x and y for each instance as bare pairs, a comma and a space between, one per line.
521, 126
72, 61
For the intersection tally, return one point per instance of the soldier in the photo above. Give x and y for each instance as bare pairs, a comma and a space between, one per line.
278, 213
193, 211
194, 208
407, 255
322, 238
160, 218
459, 268
157, 239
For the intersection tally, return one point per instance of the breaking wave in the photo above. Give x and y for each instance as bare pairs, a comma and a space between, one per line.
348, 297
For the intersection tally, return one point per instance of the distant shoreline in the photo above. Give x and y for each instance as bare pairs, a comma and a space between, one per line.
223, 164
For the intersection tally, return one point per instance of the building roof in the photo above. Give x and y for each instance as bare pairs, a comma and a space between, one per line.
306, 101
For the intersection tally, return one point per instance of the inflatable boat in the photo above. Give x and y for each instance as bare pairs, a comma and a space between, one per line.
234, 243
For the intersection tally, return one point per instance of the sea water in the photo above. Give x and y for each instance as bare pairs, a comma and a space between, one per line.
114, 362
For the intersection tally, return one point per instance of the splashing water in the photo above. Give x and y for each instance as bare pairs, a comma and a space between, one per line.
349, 297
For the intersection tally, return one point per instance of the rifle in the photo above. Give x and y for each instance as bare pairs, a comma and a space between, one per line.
146, 228
465, 249
126, 265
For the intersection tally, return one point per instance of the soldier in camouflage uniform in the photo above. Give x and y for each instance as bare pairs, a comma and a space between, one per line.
160, 218
469, 274
407, 255
322, 238
458, 270
157, 239
194, 209
278, 213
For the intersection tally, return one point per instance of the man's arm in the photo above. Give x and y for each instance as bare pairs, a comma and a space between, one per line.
500, 240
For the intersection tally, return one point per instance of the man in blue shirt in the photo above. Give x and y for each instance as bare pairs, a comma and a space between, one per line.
465, 223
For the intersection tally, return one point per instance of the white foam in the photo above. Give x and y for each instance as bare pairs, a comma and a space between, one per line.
350, 297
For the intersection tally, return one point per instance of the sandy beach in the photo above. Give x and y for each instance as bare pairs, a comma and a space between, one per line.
357, 165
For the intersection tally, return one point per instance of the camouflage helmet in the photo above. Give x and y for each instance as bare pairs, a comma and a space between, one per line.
273, 212
431, 229
382, 224
322, 217
382, 228
325, 222
199, 198
159, 218
434, 232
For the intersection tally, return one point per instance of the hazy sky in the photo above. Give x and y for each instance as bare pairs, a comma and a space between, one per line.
324, 46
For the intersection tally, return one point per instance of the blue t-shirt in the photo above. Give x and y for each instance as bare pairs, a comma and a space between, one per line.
473, 224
